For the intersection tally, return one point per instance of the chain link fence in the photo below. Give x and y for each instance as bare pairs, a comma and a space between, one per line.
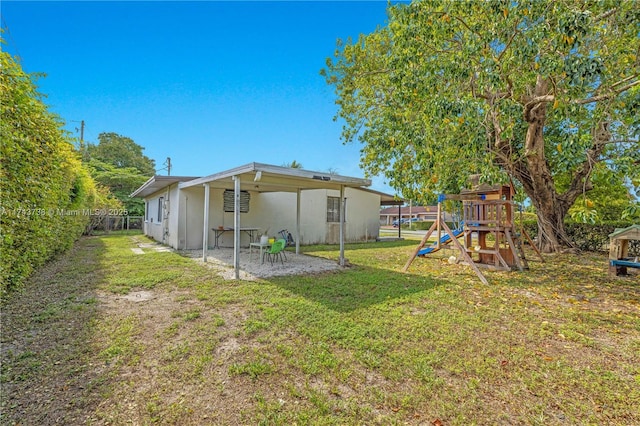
106, 223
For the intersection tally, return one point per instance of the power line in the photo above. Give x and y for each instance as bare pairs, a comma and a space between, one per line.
11, 41
167, 166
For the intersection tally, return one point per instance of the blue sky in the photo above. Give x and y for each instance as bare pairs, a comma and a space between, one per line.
213, 85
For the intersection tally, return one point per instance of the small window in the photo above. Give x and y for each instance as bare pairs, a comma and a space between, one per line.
146, 207
229, 201
333, 209
160, 202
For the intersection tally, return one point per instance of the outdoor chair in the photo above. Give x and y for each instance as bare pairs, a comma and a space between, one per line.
274, 252
284, 244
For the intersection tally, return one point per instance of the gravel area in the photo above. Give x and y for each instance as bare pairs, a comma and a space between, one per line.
252, 268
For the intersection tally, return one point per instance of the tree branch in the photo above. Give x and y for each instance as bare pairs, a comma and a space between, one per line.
580, 182
368, 73
605, 15
534, 104
506, 47
609, 95
624, 80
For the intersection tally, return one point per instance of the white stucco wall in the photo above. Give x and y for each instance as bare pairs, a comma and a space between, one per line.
269, 212
165, 229
191, 223
361, 222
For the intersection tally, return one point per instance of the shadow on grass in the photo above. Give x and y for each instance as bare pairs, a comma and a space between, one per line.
375, 245
47, 329
356, 288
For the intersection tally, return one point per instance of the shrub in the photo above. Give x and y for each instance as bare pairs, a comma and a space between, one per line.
589, 237
45, 191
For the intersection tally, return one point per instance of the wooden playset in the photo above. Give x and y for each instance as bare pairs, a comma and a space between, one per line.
490, 237
619, 259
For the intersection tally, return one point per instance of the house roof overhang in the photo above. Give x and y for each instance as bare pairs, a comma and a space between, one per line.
157, 183
386, 199
268, 178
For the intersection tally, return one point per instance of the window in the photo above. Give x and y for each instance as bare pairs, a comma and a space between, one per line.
160, 202
245, 197
146, 207
333, 209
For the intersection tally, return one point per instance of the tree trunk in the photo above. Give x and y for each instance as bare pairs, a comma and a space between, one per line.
535, 175
552, 236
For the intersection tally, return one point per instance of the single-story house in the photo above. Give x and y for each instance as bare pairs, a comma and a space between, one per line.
422, 213
233, 207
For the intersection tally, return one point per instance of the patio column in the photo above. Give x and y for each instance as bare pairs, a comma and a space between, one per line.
236, 226
342, 206
205, 227
298, 221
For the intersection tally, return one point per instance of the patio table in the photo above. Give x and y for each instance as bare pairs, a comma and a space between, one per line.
260, 247
217, 232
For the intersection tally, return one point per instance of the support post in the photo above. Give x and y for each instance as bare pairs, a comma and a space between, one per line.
236, 226
299, 195
439, 220
205, 227
342, 206
465, 255
422, 243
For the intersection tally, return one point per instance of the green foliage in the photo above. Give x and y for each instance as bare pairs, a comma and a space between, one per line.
609, 200
589, 236
526, 90
118, 163
293, 165
122, 152
121, 181
46, 193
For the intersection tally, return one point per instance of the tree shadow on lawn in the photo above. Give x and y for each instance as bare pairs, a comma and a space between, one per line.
356, 288
567, 272
46, 341
359, 246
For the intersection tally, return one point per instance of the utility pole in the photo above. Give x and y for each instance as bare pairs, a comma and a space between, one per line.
168, 164
81, 146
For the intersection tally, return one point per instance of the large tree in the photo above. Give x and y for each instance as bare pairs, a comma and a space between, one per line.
121, 151
118, 163
508, 89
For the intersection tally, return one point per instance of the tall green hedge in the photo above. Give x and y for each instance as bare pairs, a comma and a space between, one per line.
46, 194
590, 237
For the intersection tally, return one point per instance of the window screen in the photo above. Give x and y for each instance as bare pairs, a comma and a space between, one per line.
244, 201
333, 209
160, 202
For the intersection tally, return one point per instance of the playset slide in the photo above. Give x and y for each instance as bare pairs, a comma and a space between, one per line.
445, 239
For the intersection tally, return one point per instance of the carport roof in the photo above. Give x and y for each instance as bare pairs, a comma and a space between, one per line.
268, 178
157, 183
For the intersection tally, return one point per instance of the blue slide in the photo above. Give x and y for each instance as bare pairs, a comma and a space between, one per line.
445, 239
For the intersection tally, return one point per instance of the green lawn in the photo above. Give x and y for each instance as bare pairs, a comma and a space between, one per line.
104, 336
